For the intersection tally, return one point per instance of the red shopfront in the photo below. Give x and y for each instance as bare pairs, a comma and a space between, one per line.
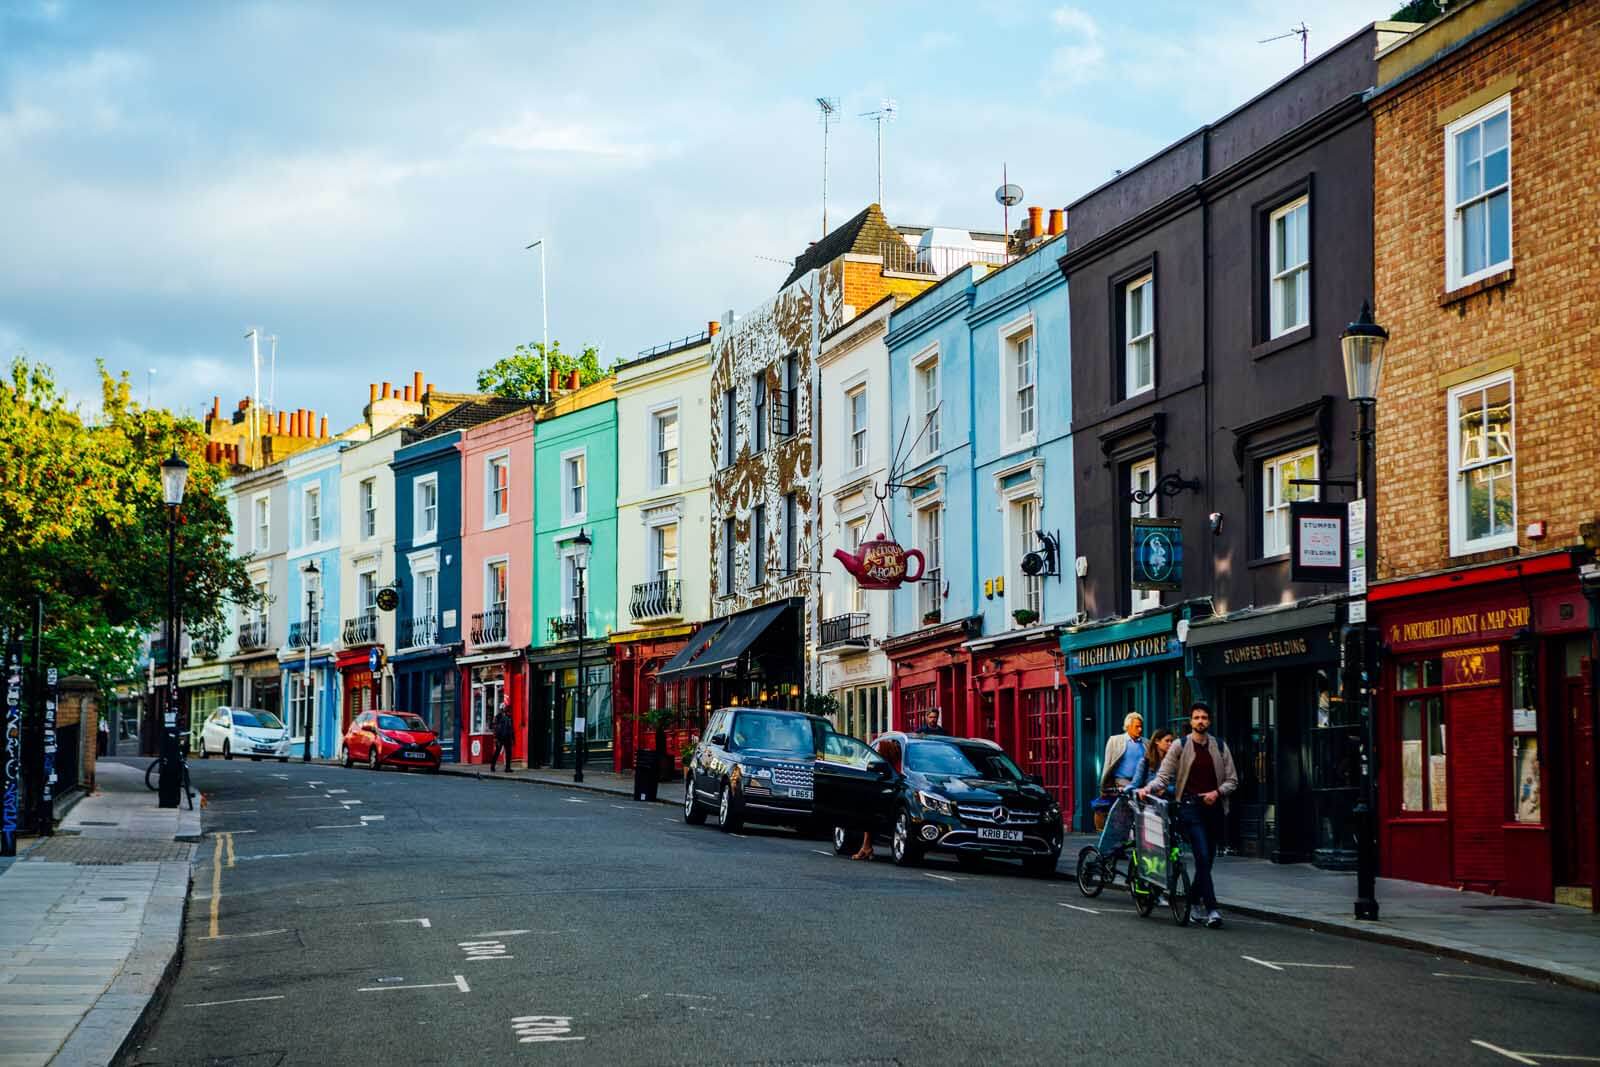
1008, 689
487, 681
636, 657
359, 688
1486, 730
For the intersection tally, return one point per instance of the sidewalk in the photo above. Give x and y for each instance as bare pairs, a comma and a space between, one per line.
1558, 943
595, 780
90, 922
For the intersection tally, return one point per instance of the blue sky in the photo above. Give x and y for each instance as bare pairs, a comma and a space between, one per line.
360, 178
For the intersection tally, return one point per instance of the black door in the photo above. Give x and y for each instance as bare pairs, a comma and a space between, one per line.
854, 787
1249, 727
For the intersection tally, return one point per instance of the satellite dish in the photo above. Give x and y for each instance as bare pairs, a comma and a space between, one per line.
1009, 195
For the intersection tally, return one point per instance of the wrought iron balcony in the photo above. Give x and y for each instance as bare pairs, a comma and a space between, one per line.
852, 630
253, 635
362, 630
563, 627
489, 627
660, 599
305, 632
202, 649
419, 632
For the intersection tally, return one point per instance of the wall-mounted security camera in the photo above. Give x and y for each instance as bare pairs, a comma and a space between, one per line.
1082, 566
1216, 522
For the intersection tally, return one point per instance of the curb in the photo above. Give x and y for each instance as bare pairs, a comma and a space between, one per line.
157, 1001
577, 786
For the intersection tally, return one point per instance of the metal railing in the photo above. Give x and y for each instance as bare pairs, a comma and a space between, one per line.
936, 261
489, 627
253, 635
563, 627
660, 599
668, 346
362, 630
305, 632
419, 632
853, 629
930, 596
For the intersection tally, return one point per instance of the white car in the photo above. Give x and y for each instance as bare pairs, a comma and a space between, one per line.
245, 732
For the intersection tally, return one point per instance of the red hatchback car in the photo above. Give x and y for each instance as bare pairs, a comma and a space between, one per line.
398, 738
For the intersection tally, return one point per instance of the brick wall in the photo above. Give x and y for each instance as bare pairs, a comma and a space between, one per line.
1544, 322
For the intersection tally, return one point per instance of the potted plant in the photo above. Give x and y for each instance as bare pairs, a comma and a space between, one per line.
929, 618
659, 720
1025, 616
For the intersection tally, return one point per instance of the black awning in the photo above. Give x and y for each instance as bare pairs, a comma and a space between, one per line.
721, 642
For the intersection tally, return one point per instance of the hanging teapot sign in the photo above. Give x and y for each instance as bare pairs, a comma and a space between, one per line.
881, 563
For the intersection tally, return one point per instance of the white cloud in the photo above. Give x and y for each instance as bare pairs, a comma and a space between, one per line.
1080, 59
532, 132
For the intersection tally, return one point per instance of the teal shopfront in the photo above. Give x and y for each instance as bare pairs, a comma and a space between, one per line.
1114, 668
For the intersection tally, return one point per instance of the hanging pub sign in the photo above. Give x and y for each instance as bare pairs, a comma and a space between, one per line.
1157, 554
880, 563
1317, 542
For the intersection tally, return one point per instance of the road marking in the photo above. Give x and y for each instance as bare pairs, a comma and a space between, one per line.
235, 811
341, 826
673, 821
349, 803
332, 792
575, 800
1075, 907
505, 933
424, 923
216, 886
741, 837
235, 937
241, 1000
1485, 978
284, 776
484, 950
531, 1029
372, 818
1535, 1058
1278, 965
229, 838
460, 983
230, 833
689, 996
314, 784
941, 877
822, 852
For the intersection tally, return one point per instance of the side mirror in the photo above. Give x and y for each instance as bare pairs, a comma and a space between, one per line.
1036, 779
694, 739
719, 739
882, 769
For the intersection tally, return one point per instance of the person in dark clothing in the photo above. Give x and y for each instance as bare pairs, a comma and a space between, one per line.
502, 738
1199, 770
930, 724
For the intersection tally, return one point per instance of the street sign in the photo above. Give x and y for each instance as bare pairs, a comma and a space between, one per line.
1316, 541
1358, 581
374, 659
1358, 611
1157, 550
1358, 521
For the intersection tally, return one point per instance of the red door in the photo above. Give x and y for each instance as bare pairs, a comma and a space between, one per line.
1573, 800
1475, 727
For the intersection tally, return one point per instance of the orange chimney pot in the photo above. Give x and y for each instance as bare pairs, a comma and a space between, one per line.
324, 434
1058, 221
416, 385
386, 388
713, 327
1035, 222
408, 396
372, 393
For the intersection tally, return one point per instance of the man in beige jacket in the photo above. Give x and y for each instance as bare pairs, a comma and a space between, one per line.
1202, 768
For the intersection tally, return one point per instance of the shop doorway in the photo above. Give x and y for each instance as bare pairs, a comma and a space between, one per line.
1249, 726
1572, 793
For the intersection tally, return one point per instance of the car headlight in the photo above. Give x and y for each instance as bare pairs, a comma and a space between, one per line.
935, 803
760, 772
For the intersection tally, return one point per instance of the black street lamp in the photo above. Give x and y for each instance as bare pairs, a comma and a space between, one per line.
1363, 343
174, 478
580, 563
313, 630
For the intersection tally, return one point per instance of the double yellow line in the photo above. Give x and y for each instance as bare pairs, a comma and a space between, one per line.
223, 840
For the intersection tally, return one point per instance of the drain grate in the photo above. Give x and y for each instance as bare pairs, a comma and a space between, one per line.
112, 900
92, 822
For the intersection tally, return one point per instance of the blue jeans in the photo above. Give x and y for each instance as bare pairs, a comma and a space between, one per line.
1201, 826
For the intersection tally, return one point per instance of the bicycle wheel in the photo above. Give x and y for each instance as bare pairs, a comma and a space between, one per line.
1091, 871
1144, 896
1178, 899
152, 775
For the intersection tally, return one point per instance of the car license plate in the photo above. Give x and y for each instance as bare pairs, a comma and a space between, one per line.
263, 748
986, 834
800, 794
415, 755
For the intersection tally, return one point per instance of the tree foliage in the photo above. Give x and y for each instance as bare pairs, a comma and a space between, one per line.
84, 529
525, 374
1419, 11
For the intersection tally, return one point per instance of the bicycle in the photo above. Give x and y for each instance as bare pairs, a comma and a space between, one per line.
1099, 866
1158, 868
152, 778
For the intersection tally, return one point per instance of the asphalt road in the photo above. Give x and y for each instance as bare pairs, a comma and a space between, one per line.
351, 917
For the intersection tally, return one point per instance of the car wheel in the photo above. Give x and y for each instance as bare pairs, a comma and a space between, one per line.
372, 759
693, 813
1091, 872
728, 818
906, 852
846, 842
349, 760
227, 750
1040, 866
203, 753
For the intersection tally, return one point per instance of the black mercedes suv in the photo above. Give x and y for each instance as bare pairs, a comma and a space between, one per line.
753, 764
962, 796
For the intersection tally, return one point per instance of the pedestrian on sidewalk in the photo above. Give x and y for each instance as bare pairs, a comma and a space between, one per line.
1123, 753
1200, 771
1155, 751
502, 737
930, 724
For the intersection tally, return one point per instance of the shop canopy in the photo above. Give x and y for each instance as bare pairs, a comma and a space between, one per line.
719, 643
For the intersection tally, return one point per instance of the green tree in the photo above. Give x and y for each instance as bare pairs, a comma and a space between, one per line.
1419, 11
84, 529
525, 374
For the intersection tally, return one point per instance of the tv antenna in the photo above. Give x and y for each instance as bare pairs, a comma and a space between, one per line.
885, 113
828, 107
1299, 31
1009, 196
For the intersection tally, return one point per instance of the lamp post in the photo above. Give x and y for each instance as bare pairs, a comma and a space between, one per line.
174, 478
1363, 343
313, 626
580, 563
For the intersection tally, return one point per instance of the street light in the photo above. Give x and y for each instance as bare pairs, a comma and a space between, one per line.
174, 478
312, 626
1363, 342
580, 563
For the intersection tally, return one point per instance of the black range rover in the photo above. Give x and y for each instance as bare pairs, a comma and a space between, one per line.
753, 764
962, 796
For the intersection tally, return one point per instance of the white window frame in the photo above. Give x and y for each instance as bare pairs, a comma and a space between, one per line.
367, 507
653, 428
1143, 598
656, 539
367, 592
1011, 336
420, 535
489, 602
855, 535
569, 583
1296, 274
493, 519
1275, 510
1022, 591
309, 495
858, 435
1453, 211
261, 522
569, 515
930, 540
1131, 386
1460, 543
925, 366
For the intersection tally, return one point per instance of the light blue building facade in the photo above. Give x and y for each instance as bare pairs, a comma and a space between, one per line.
312, 601
980, 379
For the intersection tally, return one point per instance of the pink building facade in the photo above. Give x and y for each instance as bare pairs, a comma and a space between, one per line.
496, 580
